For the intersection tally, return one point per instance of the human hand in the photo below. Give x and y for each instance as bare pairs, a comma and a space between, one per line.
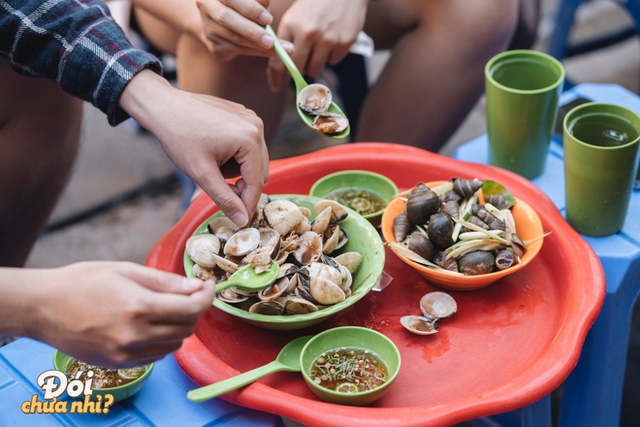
235, 27
321, 31
207, 138
114, 314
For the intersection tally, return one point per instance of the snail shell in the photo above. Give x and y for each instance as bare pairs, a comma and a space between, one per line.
465, 187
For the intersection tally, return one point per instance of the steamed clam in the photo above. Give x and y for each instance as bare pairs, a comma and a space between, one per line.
315, 271
330, 123
316, 99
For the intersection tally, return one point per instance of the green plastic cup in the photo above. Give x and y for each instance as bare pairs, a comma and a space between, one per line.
522, 91
600, 164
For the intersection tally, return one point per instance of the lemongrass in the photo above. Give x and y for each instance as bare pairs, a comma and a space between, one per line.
481, 230
470, 235
463, 247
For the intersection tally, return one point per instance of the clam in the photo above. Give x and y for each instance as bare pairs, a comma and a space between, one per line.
351, 260
330, 123
309, 248
242, 242
276, 290
325, 284
336, 240
283, 216
322, 220
338, 212
438, 305
419, 325
315, 98
221, 222
434, 306
267, 307
204, 273
230, 296
202, 249
297, 305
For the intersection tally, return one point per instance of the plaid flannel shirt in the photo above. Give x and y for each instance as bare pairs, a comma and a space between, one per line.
76, 43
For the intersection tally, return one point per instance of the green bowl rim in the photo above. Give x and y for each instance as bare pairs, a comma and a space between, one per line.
379, 176
365, 287
142, 377
361, 329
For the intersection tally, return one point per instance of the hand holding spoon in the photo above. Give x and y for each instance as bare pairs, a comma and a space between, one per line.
300, 83
288, 360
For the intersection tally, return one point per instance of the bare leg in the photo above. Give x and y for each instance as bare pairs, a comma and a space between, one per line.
435, 74
39, 136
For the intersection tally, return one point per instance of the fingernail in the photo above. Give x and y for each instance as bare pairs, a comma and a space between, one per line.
265, 18
288, 46
267, 41
239, 219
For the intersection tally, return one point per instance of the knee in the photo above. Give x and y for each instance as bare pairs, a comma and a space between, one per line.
478, 29
492, 29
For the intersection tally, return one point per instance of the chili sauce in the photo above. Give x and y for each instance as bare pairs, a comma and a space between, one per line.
349, 370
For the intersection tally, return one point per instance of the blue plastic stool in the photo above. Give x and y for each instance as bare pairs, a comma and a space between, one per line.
559, 46
592, 394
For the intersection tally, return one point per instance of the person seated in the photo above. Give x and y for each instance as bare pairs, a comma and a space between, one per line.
431, 81
112, 314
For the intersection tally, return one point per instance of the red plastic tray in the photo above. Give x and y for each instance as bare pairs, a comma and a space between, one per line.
509, 344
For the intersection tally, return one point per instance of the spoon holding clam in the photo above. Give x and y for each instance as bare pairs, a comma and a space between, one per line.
300, 84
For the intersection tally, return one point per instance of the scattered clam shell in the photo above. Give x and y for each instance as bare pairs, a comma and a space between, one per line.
434, 307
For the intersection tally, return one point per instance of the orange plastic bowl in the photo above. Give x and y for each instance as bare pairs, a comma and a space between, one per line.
528, 226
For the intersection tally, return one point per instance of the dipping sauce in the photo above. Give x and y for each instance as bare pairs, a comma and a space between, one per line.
361, 200
104, 378
349, 370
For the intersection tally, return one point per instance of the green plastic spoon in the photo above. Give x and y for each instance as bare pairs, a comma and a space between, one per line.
301, 84
288, 360
247, 279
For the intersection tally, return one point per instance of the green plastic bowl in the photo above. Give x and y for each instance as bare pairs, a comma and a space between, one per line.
363, 238
374, 182
62, 360
350, 336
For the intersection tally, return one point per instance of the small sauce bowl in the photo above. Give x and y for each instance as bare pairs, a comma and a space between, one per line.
351, 336
372, 182
61, 361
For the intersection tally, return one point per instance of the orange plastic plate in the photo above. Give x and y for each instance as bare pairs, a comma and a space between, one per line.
508, 345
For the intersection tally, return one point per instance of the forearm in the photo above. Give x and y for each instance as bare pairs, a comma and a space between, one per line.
144, 96
75, 43
19, 300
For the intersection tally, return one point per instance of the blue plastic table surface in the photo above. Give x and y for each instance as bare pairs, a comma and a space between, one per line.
593, 392
161, 402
